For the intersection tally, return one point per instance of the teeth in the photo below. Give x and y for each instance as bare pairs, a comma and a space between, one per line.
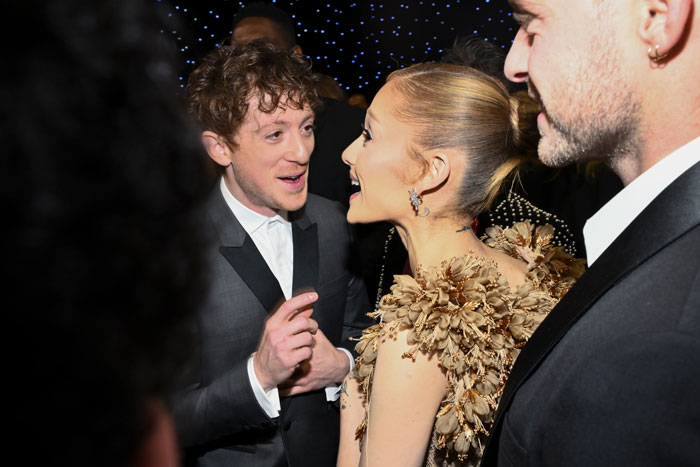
354, 183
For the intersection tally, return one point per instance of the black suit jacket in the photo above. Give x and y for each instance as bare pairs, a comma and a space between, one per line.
612, 375
218, 418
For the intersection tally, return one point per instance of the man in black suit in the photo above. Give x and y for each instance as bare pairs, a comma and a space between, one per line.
282, 304
337, 123
611, 376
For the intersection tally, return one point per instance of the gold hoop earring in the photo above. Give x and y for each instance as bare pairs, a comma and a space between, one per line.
654, 54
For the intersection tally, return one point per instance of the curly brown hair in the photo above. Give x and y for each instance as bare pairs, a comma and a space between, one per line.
220, 88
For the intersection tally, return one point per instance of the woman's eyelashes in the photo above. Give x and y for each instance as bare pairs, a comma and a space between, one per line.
366, 134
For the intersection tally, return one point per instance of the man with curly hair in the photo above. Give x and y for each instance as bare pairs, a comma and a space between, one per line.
283, 304
337, 122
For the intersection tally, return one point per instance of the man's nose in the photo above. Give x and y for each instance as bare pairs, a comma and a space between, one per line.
300, 148
517, 60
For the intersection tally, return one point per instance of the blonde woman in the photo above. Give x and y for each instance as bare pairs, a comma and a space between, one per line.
437, 143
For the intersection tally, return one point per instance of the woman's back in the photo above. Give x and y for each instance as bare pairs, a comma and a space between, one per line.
455, 330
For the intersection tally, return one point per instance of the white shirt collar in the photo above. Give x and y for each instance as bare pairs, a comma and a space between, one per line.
249, 219
618, 213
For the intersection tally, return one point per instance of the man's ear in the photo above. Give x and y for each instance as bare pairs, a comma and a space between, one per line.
663, 25
438, 171
217, 148
297, 50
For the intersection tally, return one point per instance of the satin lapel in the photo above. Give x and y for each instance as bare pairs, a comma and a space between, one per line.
670, 215
251, 266
306, 255
240, 251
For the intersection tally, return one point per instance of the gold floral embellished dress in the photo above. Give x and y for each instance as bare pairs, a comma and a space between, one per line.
467, 313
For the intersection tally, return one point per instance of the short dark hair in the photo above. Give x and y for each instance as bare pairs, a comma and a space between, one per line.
219, 89
273, 13
100, 189
476, 52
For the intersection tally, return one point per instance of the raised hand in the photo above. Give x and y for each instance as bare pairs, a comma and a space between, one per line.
286, 341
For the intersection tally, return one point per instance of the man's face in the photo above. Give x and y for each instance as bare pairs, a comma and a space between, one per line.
568, 52
269, 168
258, 28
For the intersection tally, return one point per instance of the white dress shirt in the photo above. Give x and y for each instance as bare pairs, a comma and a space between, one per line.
273, 238
608, 223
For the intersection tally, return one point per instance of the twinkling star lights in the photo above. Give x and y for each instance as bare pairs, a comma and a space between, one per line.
356, 42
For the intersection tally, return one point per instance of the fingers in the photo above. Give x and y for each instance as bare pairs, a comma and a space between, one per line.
297, 341
300, 324
300, 328
300, 304
321, 338
276, 360
283, 347
298, 355
297, 334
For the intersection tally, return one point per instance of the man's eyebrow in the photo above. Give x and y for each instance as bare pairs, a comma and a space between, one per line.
517, 7
263, 125
521, 18
280, 122
520, 14
514, 4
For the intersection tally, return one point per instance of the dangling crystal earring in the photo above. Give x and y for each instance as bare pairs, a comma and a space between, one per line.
416, 201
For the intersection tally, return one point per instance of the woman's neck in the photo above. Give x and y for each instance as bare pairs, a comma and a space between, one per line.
431, 241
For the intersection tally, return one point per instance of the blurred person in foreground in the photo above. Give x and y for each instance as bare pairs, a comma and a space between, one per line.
103, 265
611, 376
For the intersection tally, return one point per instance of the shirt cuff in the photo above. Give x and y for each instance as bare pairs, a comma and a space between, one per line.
269, 401
333, 392
352, 360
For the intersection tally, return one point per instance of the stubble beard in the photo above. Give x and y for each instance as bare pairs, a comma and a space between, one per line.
593, 113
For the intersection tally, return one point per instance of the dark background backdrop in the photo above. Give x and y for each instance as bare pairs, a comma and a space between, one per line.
356, 42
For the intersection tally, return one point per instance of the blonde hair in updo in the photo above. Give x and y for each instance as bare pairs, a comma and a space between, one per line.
457, 107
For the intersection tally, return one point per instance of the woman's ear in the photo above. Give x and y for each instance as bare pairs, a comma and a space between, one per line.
217, 148
438, 171
663, 25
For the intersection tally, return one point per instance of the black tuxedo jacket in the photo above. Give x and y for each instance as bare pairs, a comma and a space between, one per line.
218, 418
612, 376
